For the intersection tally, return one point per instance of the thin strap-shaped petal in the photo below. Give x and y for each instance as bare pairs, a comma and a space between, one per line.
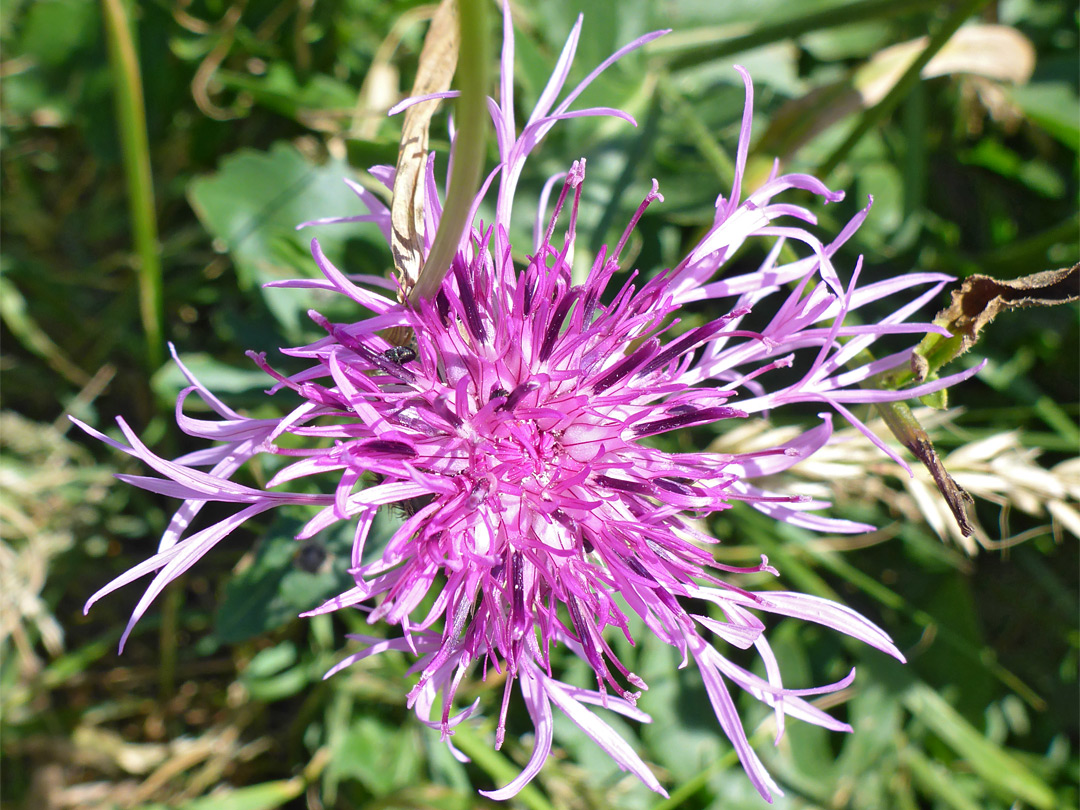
743, 148
731, 723
412, 101
174, 562
536, 701
831, 614
602, 734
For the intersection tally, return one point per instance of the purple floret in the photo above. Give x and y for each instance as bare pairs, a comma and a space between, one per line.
516, 433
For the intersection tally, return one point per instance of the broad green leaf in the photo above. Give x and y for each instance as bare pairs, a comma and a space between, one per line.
380, 755
54, 29
253, 204
215, 375
683, 737
273, 590
1054, 106
271, 661
280, 686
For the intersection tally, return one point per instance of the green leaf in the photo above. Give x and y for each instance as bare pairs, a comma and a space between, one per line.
215, 375
683, 735
55, 29
272, 591
1054, 106
251, 605
937, 782
265, 796
279, 687
280, 91
496, 765
252, 206
271, 661
379, 755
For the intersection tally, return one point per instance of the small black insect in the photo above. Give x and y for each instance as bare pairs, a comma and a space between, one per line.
498, 392
399, 354
310, 557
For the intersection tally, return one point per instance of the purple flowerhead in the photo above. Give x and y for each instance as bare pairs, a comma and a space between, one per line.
517, 431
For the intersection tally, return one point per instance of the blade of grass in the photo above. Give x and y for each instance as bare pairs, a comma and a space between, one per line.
787, 547
1020, 256
134, 146
688, 789
992, 763
264, 796
707, 145
984, 657
639, 148
693, 53
13, 312
169, 642
876, 114
702, 136
935, 781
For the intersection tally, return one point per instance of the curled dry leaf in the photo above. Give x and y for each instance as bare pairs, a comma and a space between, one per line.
438, 61
979, 300
974, 305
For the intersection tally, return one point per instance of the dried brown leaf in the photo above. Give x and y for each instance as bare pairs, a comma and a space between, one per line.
982, 298
438, 61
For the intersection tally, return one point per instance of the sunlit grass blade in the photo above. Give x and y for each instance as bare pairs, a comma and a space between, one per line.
134, 145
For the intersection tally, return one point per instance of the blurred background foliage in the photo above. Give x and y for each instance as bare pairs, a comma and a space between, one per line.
254, 111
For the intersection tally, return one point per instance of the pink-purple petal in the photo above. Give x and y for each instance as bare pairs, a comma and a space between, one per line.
513, 432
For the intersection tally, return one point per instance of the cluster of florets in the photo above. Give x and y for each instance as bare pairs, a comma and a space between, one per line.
515, 431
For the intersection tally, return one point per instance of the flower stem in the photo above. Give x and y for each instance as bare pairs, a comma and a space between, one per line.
699, 781
469, 146
497, 766
134, 146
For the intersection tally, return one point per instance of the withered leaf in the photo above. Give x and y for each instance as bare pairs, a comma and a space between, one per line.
438, 61
980, 299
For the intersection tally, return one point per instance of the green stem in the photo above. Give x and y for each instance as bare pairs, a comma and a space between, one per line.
497, 766
681, 795
469, 146
134, 145
876, 114
168, 642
